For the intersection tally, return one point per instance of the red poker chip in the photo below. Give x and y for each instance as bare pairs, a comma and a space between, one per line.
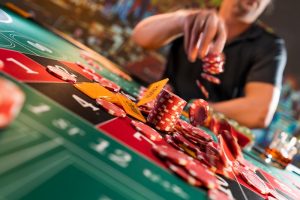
201, 156
206, 177
215, 194
11, 102
186, 143
61, 74
171, 154
202, 89
213, 68
84, 67
1, 64
232, 143
144, 109
255, 181
210, 78
198, 112
147, 130
183, 174
213, 148
276, 195
171, 141
201, 134
214, 57
201, 144
108, 84
184, 126
111, 108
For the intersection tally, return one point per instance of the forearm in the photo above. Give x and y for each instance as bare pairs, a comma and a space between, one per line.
158, 30
246, 112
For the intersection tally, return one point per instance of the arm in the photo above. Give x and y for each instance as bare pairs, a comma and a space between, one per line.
256, 109
203, 31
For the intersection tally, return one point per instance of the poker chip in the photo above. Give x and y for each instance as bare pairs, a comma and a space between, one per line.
183, 126
252, 179
61, 74
128, 96
11, 102
186, 143
201, 173
215, 194
232, 143
1, 64
108, 84
201, 144
111, 108
202, 89
201, 134
171, 141
147, 131
198, 113
215, 68
276, 195
214, 58
210, 78
84, 67
171, 154
183, 174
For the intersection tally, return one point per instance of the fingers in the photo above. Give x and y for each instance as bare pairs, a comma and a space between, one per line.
204, 31
209, 33
188, 24
195, 38
220, 39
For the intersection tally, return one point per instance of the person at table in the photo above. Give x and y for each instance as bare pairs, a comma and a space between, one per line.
255, 58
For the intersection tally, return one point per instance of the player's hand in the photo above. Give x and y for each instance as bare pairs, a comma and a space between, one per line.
204, 31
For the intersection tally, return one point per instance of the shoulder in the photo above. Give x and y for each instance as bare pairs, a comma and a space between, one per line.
267, 37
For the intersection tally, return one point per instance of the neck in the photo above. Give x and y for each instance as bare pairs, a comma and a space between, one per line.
234, 25
235, 28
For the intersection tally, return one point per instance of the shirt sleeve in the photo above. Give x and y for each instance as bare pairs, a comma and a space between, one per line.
269, 63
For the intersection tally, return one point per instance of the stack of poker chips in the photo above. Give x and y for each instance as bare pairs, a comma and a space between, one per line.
166, 111
214, 63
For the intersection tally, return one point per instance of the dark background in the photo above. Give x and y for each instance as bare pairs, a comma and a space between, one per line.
284, 19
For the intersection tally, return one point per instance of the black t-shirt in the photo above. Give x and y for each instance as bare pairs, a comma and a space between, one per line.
254, 56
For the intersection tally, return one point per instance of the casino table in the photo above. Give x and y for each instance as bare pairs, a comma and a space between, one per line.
61, 146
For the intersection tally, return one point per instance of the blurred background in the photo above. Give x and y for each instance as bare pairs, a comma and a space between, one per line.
106, 27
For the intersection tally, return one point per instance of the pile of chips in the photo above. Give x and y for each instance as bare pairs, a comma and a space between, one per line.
166, 111
189, 152
11, 102
195, 157
213, 64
